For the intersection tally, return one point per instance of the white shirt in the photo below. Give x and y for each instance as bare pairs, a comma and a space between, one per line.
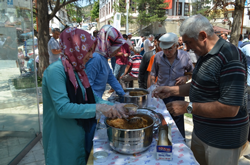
129, 42
139, 43
146, 45
246, 50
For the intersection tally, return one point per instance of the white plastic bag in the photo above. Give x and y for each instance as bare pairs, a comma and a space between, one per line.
152, 101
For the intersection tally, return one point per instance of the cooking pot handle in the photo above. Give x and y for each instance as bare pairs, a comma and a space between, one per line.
163, 121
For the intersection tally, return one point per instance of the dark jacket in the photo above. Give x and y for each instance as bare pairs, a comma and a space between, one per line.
143, 73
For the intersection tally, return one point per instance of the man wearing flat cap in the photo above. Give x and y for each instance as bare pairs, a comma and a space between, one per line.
169, 66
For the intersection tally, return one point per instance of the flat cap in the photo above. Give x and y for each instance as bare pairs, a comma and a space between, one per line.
167, 40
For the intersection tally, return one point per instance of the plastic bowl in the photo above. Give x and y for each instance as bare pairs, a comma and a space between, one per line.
131, 107
100, 156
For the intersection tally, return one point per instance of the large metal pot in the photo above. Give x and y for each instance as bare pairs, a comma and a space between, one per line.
141, 101
131, 141
154, 115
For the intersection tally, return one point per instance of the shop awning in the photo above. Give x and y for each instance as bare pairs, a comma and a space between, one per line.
218, 29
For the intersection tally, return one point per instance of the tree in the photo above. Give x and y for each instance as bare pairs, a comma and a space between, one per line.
43, 27
120, 7
151, 11
74, 12
220, 8
95, 11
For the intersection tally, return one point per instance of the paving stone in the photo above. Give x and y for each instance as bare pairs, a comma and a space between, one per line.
29, 158
39, 154
24, 140
6, 160
4, 152
14, 150
38, 146
3, 142
12, 141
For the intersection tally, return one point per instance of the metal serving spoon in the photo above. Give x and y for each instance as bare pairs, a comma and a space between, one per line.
134, 119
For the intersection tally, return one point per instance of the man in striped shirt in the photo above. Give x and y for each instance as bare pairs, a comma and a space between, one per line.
134, 64
217, 95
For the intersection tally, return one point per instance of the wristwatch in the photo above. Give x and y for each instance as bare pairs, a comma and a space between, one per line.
190, 107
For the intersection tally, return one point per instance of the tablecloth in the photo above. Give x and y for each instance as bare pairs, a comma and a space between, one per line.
182, 154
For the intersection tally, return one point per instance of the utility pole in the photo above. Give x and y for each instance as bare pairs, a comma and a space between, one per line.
127, 26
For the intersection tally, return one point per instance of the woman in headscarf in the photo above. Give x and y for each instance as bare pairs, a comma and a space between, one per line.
69, 105
109, 42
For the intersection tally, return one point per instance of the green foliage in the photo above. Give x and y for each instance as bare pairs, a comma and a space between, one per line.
74, 12
218, 10
26, 82
78, 19
201, 7
121, 8
188, 115
95, 11
151, 11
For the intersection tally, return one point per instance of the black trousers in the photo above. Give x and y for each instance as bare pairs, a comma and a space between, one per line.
179, 120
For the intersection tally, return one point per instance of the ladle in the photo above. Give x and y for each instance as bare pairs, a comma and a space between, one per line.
134, 119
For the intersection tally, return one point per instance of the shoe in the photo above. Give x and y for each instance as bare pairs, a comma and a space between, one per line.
247, 156
111, 90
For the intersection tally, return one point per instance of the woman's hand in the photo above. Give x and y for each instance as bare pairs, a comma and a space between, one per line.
123, 111
108, 110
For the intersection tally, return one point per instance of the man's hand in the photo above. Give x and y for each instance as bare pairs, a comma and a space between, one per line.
181, 80
180, 47
177, 108
161, 92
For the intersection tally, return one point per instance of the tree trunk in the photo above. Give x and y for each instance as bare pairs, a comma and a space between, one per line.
140, 30
237, 21
43, 35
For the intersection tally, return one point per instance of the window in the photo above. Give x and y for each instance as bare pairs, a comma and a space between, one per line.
179, 8
109, 8
167, 12
106, 9
186, 9
132, 5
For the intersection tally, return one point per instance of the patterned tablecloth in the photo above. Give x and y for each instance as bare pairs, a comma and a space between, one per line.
182, 154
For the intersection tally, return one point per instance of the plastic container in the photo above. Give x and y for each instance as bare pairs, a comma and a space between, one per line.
100, 156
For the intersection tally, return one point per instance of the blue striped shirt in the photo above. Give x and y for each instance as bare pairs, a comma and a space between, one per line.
221, 76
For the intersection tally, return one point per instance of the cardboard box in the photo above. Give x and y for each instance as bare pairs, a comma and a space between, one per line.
164, 152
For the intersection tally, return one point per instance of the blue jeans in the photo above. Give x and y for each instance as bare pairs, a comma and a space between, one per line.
113, 59
119, 70
179, 120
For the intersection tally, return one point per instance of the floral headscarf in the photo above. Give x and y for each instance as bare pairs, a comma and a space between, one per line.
109, 39
75, 44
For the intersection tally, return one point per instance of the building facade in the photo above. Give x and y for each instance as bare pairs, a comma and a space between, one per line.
180, 10
62, 15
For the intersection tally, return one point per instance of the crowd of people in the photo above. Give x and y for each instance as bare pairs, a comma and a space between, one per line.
74, 83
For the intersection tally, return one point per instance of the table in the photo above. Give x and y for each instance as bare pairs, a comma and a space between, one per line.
182, 154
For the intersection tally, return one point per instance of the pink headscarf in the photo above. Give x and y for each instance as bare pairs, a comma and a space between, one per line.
75, 44
109, 39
